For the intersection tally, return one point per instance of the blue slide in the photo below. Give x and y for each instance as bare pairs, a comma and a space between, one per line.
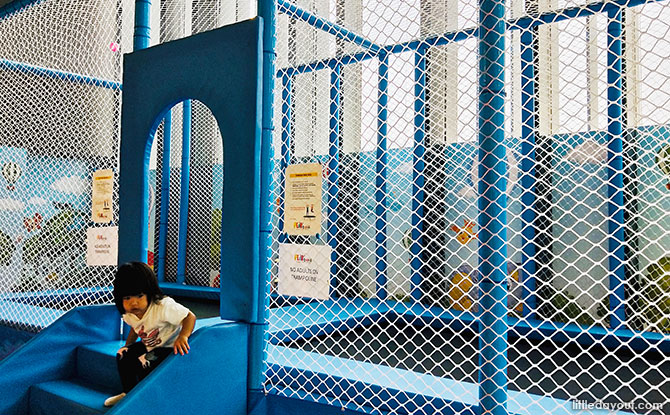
70, 368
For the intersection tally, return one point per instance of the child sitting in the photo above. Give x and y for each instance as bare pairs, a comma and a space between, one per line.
162, 325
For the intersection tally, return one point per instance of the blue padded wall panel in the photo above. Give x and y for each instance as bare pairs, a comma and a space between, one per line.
221, 68
211, 379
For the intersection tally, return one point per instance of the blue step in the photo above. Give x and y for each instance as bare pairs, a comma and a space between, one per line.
72, 397
96, 364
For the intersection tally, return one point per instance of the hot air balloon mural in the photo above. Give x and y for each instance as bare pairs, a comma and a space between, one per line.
663, 162
11, 173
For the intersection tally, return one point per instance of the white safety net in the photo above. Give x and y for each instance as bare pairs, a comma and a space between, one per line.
387, 97
60, 97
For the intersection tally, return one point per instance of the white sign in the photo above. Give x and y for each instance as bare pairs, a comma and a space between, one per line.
304, 270
102, 210
302, 199
102, 245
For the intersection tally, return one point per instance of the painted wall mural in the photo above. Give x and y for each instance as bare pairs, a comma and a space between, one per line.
42, 221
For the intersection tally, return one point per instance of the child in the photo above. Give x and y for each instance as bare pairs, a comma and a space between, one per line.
162, 325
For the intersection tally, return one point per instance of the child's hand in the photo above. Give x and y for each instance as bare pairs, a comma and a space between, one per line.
181, 345
121, 351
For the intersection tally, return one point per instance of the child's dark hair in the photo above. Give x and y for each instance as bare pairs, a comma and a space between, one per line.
133, 278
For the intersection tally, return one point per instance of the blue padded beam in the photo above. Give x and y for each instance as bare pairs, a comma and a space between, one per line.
222, 69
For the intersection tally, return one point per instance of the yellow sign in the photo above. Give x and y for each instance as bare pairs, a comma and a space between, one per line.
302, 199
102, 208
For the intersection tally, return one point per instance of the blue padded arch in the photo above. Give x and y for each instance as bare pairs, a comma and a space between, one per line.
221, 68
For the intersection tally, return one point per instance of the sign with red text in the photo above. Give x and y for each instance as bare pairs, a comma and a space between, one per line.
102, 245
304, 270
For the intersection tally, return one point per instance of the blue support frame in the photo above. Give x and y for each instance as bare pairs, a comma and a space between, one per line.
165, 199
287, 85
184, 193
492, 202
381, 168
142, 32
57, 74
334, 174
259, 326
493, 210
325, 25
528, 134
418, 178
460, 35
615, 184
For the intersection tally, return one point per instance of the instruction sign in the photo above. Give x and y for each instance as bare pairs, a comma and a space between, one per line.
103, 189
302, 199
102, 245
304, 270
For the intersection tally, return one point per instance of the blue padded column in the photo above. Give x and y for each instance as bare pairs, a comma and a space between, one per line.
615, 188
258, 328
381, 167
184, 194
418, 178
142, 33
287, 85
528, 132
165, 199
492, 210
334, 173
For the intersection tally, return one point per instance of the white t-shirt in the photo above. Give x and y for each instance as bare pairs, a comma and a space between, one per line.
160, 325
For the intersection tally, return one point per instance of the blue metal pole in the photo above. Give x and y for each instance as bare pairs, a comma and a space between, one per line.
459, 35
528, 131
141, 37
418, 178
493, 210
615, 184
142, 34
381, 166
183, 200
165, 198
334, 174
267, 10
323, 24
56, 74
287, 84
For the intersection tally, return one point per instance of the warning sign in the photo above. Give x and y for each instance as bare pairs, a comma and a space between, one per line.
302, 206
304, 270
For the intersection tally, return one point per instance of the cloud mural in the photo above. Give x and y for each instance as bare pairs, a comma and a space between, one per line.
12, 205
71, 185
38, 201
588, 152
470, 192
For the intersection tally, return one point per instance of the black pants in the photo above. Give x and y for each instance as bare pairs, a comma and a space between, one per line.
136, 363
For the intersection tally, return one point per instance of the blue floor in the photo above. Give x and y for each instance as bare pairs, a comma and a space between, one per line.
297, 353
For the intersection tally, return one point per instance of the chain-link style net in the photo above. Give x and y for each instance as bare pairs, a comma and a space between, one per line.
387, 97
60, 71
